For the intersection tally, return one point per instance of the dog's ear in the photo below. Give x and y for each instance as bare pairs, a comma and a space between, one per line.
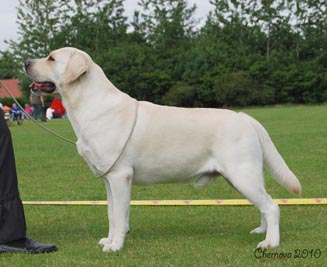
76, 67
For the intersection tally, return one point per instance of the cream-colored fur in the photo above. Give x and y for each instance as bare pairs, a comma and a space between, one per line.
137, 142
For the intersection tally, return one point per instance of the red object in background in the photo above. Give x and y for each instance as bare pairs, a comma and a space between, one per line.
59, 109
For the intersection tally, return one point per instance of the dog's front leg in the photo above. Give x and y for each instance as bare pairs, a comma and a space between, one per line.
120, 187
108, 240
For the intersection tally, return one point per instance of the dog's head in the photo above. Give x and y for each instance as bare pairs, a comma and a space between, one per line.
60, 68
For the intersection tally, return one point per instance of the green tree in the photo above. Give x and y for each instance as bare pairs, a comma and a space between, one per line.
272, 17
38, 24
246, 53
94, 25
8, 65
167, 27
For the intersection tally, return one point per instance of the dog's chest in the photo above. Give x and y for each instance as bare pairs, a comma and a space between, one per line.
86, 152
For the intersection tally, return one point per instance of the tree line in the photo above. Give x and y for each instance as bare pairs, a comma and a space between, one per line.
246, 52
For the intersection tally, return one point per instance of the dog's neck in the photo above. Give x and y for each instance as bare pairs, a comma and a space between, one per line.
82, 100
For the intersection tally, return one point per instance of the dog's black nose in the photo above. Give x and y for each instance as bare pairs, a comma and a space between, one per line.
27, 64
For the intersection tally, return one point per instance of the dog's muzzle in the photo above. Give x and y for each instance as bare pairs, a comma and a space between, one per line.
39, 86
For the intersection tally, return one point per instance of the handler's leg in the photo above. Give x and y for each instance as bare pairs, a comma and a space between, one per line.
12, 219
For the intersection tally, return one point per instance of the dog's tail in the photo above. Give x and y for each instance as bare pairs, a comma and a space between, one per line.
274, 161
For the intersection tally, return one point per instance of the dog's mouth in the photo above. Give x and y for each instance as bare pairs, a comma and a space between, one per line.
45, 87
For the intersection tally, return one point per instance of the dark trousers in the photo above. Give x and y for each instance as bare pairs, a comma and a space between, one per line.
38, 109
12, 218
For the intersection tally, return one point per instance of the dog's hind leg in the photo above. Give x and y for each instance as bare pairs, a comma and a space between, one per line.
248, 180
120, 187
262, 228
108, 240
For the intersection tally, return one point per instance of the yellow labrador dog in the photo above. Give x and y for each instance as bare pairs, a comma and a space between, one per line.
136, 142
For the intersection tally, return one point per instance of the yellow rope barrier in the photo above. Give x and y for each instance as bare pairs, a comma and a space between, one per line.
213, 202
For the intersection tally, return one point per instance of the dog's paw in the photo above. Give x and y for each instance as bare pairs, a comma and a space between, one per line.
258, 230
267, 244
112, 247
105, 241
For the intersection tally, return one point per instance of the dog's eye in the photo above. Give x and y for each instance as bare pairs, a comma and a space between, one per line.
50, 58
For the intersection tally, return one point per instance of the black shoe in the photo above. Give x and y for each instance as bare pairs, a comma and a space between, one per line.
27, 245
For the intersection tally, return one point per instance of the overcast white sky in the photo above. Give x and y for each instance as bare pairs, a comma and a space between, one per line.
8, 15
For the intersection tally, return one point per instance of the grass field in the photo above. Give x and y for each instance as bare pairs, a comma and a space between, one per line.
50, 169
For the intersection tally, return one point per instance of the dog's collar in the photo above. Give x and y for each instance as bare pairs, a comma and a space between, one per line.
121, 152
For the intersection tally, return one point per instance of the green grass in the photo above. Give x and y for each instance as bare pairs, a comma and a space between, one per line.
50, 169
